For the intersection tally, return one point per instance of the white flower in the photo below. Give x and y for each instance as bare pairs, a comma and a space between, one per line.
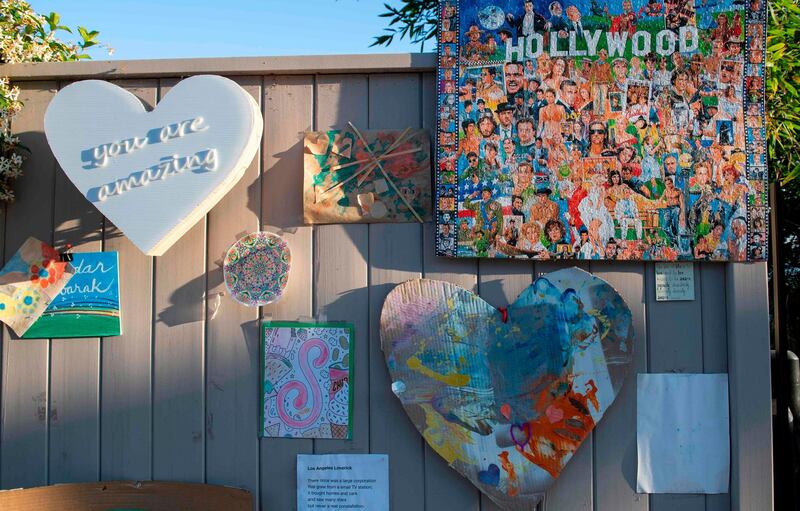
14, 172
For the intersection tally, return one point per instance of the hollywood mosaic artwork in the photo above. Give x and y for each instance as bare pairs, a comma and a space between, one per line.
578, 129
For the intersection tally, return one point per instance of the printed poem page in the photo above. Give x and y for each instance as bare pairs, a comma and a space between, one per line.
342, 481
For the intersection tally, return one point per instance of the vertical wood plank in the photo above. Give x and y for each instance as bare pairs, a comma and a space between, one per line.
395, 255
75, 363
749, 381
499, 283
444, 487
288, 110
674, 344
715, 318
23, 445
178, 360
179, 354
615, 436
3, 341
232, 339
340, 259
74, 413
126, 369
574, 487
715, 342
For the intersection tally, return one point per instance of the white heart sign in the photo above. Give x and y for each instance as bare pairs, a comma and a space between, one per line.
154, 174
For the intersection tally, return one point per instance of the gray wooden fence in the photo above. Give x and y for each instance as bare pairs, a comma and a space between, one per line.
176, 396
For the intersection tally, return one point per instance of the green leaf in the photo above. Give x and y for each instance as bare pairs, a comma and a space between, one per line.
87, 35
413, 19
52, 20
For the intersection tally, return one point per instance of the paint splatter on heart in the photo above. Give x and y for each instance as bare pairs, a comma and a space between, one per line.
520, 391
490, 476
521, 434
554, 414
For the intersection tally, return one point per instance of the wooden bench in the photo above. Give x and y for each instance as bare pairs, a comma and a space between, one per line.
127, 496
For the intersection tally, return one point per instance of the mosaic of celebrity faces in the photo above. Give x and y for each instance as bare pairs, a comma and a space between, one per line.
589, 130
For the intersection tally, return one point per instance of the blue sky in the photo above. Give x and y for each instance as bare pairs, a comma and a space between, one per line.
149, 29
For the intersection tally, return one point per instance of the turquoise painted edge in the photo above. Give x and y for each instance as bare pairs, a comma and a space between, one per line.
350, 370
261, 366
114, 331
351, 374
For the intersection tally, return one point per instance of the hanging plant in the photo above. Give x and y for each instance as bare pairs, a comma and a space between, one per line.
26, 36
783, 88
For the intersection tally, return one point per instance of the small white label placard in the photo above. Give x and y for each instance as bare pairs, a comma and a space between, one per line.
342, 481
674, 281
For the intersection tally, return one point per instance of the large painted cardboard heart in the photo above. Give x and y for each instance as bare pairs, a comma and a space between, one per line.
154, 174
506, 397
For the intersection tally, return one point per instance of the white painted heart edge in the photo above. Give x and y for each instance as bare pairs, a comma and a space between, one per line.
210, 200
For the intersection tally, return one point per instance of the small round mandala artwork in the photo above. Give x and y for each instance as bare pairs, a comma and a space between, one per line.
256, 268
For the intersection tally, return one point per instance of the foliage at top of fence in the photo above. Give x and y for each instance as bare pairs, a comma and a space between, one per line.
26, 36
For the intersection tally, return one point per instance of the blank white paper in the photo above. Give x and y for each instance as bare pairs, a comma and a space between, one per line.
682, 433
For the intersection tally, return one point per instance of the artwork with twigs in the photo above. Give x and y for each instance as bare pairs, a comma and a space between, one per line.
368, 176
